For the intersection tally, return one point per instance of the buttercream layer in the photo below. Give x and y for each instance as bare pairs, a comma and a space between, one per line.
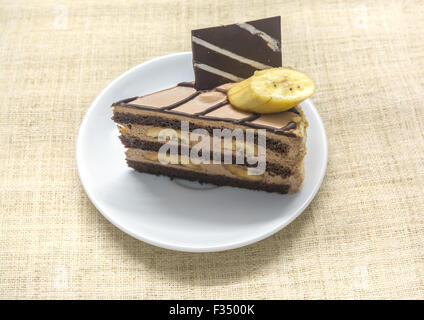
285, 156
274, 168
209, 110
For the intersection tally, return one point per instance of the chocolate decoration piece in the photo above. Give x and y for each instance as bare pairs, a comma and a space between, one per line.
233, 52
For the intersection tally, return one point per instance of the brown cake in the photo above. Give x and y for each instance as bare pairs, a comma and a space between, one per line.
221, 56
140, 120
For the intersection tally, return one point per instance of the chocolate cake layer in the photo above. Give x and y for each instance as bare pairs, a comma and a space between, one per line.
205, 178
234, 171
135, 143
128, 119
222, 54
138, 135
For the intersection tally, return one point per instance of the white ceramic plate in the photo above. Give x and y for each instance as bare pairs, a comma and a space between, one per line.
175, 214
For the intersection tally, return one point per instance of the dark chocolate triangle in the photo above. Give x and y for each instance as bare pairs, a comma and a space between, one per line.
233, 52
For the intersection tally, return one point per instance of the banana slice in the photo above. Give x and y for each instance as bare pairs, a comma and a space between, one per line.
271, 90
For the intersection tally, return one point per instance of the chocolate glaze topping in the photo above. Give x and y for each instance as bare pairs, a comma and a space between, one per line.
178, 103
203, 114
186, 84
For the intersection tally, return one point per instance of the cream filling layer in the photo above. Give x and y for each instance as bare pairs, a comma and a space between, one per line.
216, 169
150, 133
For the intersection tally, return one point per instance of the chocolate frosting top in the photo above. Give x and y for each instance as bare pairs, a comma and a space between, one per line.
184, 99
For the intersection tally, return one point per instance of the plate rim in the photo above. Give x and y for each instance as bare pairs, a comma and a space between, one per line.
167, 245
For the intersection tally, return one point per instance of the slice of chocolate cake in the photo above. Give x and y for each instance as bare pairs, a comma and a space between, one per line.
141, 119
192, 131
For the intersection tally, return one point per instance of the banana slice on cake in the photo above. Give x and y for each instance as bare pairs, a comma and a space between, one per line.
271, 90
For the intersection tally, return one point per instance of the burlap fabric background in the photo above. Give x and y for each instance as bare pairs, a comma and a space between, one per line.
362, 236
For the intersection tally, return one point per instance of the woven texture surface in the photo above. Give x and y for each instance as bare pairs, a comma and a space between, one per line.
361, 237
